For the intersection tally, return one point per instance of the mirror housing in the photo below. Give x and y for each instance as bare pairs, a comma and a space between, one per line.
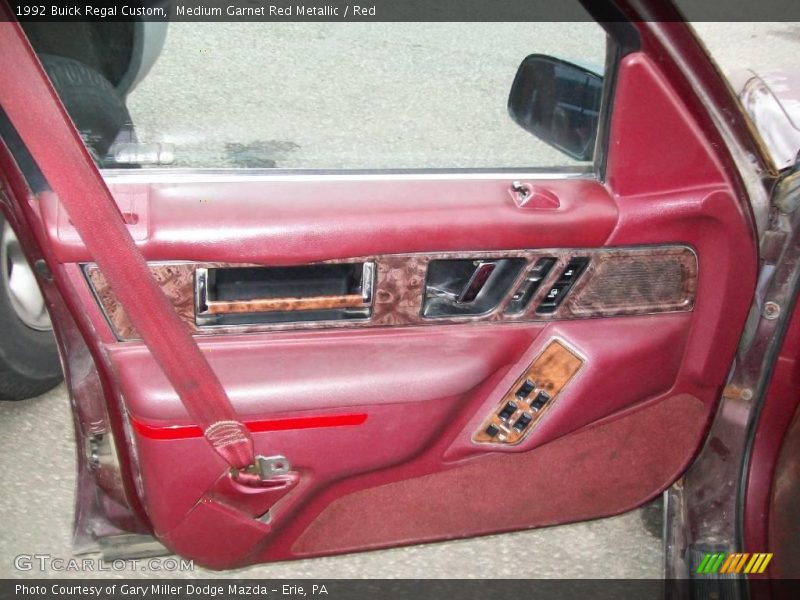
558, 102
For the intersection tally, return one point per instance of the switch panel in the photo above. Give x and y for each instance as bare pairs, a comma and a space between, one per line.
531, 396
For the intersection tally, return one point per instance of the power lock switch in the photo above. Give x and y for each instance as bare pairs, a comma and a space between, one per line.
558, 291
573, 269
553, 298
542, 267
527, 289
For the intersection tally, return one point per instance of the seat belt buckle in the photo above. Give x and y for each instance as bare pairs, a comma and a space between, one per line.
264, 468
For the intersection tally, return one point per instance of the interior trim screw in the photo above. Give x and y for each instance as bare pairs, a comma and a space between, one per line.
771, 310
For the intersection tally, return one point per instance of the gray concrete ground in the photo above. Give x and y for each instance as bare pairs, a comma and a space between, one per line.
382, 95
354, 95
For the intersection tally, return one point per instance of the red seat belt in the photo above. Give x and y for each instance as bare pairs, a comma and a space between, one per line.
37, 114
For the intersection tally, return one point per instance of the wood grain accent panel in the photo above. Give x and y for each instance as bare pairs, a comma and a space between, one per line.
221, 307
617, 281
551, 371
176, 281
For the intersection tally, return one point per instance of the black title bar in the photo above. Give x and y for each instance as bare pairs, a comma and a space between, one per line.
384, 589
382, 10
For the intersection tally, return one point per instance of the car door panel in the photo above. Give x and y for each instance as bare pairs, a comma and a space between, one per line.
378, 418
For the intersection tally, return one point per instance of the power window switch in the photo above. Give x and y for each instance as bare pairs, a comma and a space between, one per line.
492, 430
509, 409
523, 422
539, 401
525, 389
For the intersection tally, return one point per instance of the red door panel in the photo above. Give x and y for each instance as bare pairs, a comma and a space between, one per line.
379, 418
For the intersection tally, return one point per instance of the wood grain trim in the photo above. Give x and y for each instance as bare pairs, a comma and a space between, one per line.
220, 307
551, 371
399, 288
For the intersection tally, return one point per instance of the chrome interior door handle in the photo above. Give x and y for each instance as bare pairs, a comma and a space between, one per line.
476, 282
205, 306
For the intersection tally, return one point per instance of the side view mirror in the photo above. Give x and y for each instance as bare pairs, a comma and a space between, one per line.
558, 102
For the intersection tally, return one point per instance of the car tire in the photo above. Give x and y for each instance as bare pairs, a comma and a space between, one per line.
29, 362
96, 108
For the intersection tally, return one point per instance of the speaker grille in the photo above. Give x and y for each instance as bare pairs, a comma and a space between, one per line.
635, 285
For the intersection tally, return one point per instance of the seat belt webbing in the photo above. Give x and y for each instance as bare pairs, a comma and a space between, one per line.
36, 112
